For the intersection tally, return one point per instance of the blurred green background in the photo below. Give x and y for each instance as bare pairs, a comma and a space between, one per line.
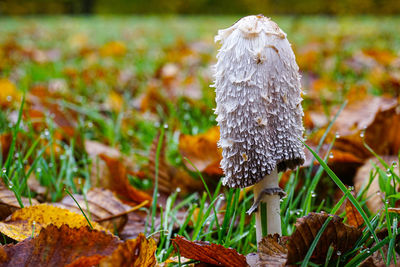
339, 7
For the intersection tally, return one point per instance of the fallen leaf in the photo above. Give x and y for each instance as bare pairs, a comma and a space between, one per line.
376, 119
28, 221
120, 183
202, 150
113, 49
60, 246
9, 93
9, 203
98, 204
139, 252
373, 195
272, 251
5, 142
170, 178
208, 252
342, 237
354, 217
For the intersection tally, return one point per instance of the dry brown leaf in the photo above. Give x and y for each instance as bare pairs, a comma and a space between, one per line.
202, 150
373, 194
272, 251
99, 204
354, 217
28, 221
9, 203
208, 252
377, 118
342, 237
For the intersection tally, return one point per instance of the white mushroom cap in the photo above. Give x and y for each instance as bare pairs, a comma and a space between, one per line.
258, 95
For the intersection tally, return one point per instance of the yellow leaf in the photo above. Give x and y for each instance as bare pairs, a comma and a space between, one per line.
115, 101
30, 220
202, 150
113, 49
8, 92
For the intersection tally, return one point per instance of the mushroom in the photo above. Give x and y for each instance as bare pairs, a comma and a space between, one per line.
258, 96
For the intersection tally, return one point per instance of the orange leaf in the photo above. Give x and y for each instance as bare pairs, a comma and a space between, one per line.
202, 150
113, 49
169, 177
60, 247
208, 252
139, 252
354, 217
66, 246
120, 183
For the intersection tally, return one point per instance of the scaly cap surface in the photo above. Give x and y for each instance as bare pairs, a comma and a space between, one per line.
258, 95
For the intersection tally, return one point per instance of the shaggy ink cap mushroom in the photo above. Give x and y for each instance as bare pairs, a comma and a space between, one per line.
258, 96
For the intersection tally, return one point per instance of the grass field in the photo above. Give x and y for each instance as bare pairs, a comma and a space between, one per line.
121, 81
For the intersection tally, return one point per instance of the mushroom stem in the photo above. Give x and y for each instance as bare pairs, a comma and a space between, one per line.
272, 201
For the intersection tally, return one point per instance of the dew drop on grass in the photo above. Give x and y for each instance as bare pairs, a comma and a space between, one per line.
351, 188
9, 98
337, 135
331, 155
165, 126
362, 134
4, 170
10, 185
16, 155
394, 164
313, 194
178, 189
338, 253
38, 169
